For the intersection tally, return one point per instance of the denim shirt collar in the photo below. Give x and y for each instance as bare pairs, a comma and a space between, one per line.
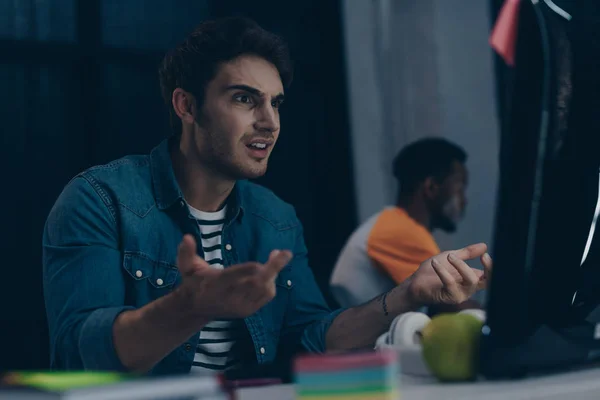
167, 192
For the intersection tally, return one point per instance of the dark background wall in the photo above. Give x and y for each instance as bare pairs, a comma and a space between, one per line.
80, 87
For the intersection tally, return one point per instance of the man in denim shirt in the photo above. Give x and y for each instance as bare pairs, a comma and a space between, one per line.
126, 283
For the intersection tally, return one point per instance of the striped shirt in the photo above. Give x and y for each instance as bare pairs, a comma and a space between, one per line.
217, 337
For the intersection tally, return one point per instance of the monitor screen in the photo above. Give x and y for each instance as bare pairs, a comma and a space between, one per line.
546, 247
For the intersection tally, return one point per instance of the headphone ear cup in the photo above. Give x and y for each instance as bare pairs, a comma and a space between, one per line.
382, 341
477, 313
406, 327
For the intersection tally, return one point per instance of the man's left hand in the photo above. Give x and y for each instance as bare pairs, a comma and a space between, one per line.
447, 279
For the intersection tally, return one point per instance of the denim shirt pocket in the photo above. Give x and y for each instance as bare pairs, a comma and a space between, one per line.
284, 281
274, 312
149, 279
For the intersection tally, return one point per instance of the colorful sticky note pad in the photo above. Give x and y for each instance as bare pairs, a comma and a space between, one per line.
365, 376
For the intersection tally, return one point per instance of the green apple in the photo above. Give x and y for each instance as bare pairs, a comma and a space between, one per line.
451, 346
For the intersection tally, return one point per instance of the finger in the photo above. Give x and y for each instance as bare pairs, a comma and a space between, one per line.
187, 259
487, 262
273, 254
468, 275
485, 277
470, 252
272, 258
445, 276
277, 261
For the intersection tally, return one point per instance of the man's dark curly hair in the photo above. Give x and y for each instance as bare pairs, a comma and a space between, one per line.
428, 157
195, 62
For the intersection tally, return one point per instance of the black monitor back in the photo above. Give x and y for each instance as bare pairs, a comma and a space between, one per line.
542, 299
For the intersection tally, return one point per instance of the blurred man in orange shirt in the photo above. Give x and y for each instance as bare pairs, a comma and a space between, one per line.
389, 247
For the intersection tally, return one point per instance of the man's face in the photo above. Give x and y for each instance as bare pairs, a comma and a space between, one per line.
452, 200
238, 124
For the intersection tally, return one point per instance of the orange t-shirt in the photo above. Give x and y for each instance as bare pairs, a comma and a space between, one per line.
397, 244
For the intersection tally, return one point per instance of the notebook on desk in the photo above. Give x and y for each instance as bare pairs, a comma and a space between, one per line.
103, 386
542, 306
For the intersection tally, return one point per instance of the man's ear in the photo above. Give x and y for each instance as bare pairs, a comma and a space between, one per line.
184, 104
431, 187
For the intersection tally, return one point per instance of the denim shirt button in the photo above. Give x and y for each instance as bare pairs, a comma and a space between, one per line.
187, 347
138, 273
262, 350
228, 247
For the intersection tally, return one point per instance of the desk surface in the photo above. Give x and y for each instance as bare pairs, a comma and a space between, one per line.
579, 385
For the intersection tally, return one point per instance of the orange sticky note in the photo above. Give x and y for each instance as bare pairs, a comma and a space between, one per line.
504, 35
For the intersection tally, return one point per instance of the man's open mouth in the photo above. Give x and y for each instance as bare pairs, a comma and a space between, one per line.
259, 146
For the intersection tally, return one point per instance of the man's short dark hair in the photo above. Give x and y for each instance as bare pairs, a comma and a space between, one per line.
430, 157
194, 63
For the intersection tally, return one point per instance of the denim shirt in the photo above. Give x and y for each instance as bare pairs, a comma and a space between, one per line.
110, 245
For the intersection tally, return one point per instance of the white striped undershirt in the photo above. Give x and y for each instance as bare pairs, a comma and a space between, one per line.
217, 337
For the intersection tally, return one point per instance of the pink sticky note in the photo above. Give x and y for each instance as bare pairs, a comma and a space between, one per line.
340, 362
504, 35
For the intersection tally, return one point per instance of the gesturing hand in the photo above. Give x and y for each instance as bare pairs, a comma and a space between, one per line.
447, 279
234, 292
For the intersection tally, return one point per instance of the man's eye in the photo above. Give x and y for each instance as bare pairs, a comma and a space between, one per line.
276, 103
243, 98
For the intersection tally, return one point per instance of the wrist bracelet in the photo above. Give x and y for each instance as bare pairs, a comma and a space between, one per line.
385, 310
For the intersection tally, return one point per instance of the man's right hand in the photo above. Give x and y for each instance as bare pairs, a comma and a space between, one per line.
234, 292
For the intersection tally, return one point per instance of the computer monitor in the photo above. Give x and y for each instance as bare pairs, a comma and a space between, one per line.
542, 305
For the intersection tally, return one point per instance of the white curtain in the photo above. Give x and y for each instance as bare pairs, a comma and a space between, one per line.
421, 68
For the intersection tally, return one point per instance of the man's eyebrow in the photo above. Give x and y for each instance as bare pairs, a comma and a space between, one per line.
254, 91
